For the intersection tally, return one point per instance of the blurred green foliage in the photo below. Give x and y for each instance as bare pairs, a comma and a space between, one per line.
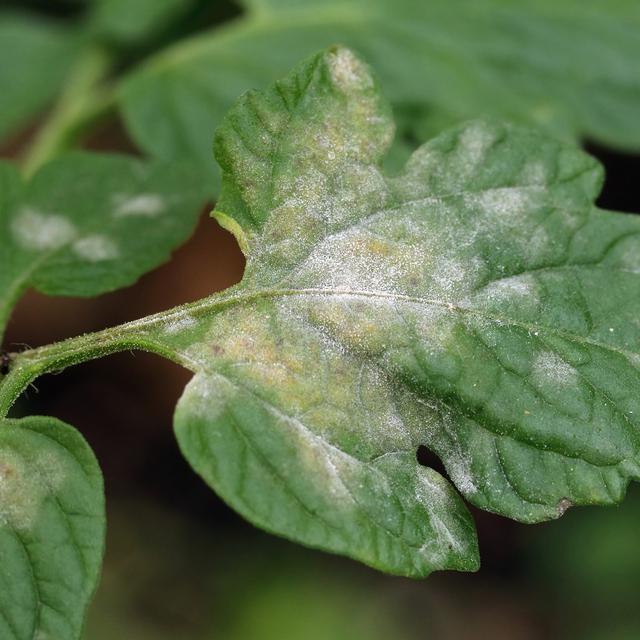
165, 579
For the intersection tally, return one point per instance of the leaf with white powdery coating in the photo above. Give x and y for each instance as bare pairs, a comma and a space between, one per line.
477, 304
86, 224
52, 528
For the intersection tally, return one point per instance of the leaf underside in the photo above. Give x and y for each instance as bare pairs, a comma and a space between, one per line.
568, 66
52, 527
477, 304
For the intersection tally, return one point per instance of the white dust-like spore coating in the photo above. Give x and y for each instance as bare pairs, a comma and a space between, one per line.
145, 205
628, 256
550, 368
534, 173
434, 495
516, 289
179, 324
24, 486
634, 360
322, 461
96, 248
453, 277
474, 144
460, 475
347, 71
502, 203
39, 231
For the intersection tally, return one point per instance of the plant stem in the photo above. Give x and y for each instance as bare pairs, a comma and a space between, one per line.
31, 364
141, 335
147, 334
85, 99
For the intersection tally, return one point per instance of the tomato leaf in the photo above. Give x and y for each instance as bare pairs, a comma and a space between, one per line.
477, 304
569, 66
52, 528
86, 224
126, 22
37, 55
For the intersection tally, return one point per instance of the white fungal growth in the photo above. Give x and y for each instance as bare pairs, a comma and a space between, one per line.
550, 368
628, 257
322, 461
25, 485
39, 231
347, 71
179, 324
144, 205
460, 474
474, 143
517, 289
453, 277
634, 360
534, 172
357, 261
433, 493
501, 203
96, 248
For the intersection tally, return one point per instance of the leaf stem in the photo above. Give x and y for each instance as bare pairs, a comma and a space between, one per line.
139, 335
85, 99
28, 365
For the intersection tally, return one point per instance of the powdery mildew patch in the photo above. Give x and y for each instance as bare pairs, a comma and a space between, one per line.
25, 484
473, 146
435, 495
38, 231
96, 248
550, 369
517, 290
144, 205
347, 71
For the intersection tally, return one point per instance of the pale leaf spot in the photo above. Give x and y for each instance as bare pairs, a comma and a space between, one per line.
96, 248
550, 368
42, 231
145, 205
24, 486
347, 71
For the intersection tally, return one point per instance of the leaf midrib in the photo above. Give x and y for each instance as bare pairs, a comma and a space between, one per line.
242, 298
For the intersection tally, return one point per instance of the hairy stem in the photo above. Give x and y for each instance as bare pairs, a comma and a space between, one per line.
28, 365
85, 99
140, 335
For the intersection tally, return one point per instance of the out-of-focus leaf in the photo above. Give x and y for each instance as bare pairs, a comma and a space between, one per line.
129, 21
35, 56
566, 65
477, 304
52, 527
86, 224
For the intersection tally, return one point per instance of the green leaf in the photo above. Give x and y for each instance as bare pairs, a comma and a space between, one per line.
52, 528
37, 55
566, 65
87, 224
126, 21
477, 304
